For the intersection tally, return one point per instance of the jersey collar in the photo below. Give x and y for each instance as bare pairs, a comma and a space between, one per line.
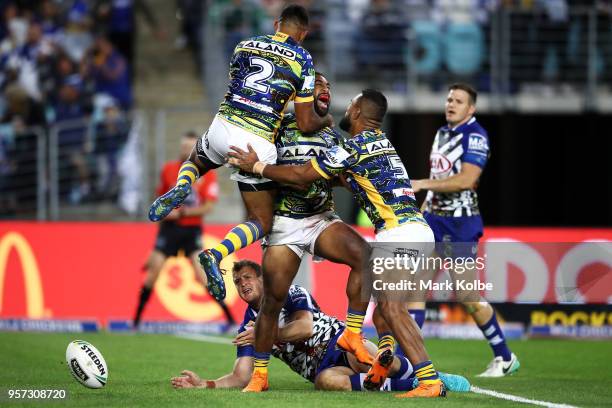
460, 127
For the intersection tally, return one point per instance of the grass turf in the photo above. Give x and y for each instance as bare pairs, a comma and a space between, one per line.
140, 367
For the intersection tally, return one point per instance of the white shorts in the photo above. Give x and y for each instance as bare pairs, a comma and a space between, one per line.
300, 235
215, 145
412, 237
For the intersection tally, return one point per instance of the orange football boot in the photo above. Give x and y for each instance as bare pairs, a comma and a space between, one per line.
353, 343
377, 374
434, 390
258, 383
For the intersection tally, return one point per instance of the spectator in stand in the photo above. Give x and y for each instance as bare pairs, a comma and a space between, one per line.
117, 18
380, 43
110, 136
240, 19
190, 13
109, 70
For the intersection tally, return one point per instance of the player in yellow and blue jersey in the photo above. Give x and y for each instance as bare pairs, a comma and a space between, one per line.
380, 183
266, 74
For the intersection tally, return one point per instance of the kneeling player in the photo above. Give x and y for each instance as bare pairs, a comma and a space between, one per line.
306, 343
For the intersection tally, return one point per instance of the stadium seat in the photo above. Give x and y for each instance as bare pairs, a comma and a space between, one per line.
463, 48
424, 55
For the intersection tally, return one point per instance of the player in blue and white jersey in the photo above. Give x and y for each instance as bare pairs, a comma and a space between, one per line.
459, 154
380, 183
306, 343
266, 74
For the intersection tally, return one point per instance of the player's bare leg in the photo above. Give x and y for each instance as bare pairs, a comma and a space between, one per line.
259, 206
378, 372
280, 265
153, 267
339, 243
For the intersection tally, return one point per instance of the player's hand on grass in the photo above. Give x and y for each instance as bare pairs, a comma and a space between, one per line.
247, 337
243, 159
188, 379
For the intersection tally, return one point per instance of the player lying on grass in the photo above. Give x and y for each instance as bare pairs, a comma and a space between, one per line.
380, 183
306, 343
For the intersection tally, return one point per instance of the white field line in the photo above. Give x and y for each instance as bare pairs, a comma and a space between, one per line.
516, 398
206, 338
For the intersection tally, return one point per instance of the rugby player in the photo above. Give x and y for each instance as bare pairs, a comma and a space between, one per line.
459, 154
266, 74
380, 183
305, 221
306, 343
182, 228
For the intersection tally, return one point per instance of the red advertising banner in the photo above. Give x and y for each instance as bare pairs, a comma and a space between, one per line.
94, 270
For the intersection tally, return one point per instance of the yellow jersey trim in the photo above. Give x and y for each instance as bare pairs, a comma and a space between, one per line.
303, 99
280, 36
385, 211
319, 170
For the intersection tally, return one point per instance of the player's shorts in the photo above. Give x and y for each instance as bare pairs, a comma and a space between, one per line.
396, 259
173, 237
299, 234
456, 236
214, 145
334, 356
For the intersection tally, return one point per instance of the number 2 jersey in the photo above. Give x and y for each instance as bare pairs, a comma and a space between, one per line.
468, 143
377, 177
295, 147
266, 73
304, 357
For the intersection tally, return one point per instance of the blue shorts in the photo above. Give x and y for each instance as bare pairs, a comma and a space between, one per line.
334, 356
455, 236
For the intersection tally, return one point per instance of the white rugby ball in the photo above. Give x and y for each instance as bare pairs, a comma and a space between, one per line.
86, 364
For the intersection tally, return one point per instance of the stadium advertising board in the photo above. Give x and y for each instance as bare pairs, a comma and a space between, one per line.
92, 271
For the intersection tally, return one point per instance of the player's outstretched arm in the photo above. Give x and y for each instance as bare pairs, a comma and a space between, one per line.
308, 120
238, 378
289, 174
467, 179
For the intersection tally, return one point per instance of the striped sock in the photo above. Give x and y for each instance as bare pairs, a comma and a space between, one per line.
405, 371
495, 336
426, 373
188, 173
239, 237
386, 340
261, 362
354, 320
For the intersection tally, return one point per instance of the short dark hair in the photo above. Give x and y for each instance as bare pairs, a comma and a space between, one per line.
376, 107
467, 88
296, 14
191, 134
247, 263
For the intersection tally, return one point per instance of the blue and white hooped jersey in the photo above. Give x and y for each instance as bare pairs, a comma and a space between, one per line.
303, 357
468, 143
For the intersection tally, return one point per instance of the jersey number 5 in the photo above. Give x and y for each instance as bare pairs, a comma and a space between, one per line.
255, 79
398, 167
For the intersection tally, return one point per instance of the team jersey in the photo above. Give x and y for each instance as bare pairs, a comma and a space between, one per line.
295, 147
377, 177
303, 357
204, 189
468, 143
266, 73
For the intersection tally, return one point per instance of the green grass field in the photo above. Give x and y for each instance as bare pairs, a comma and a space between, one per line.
140, 366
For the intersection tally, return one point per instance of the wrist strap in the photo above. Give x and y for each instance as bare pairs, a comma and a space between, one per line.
259, 167
210, 384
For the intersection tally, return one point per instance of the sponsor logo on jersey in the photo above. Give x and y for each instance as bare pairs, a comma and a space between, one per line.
271, 48
401, 192
379, 146
253, 104
336, 155
439, 163
478, 143
301, 152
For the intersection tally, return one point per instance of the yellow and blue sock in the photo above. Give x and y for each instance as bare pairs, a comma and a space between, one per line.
261, 361
386, 340
426, 373
240, 236
495, 336
188, 173
354, 320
